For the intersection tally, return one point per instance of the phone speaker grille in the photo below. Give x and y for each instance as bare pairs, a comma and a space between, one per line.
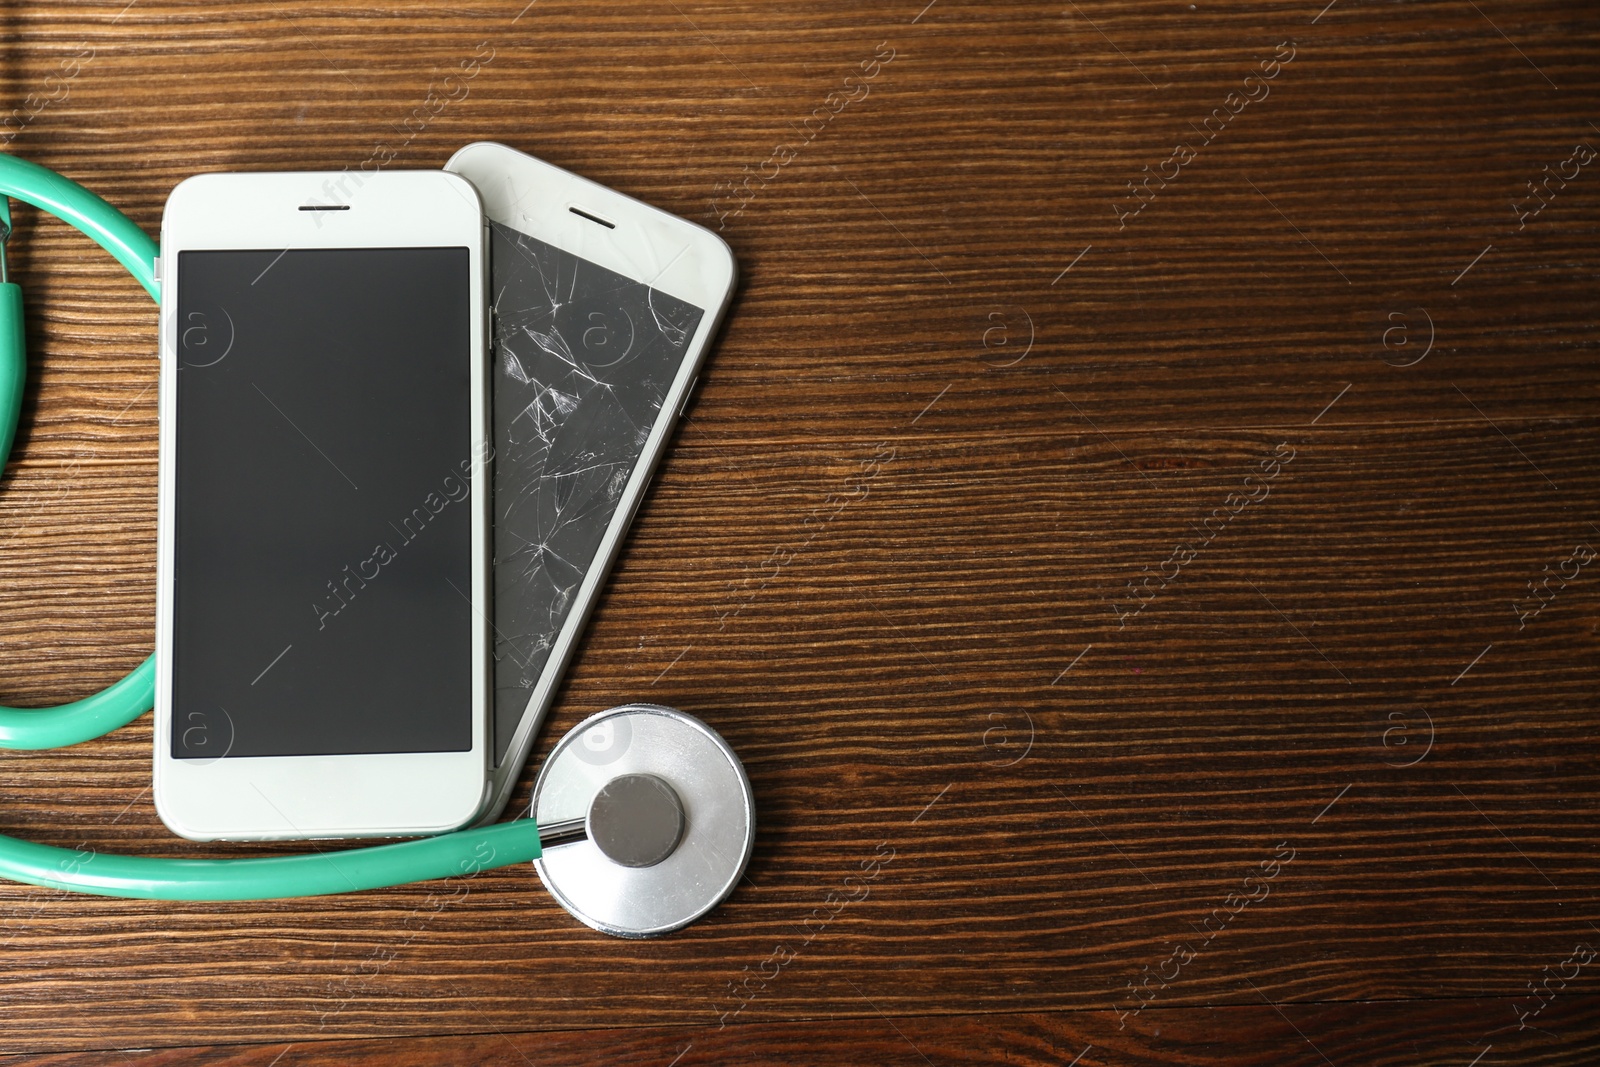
592, 218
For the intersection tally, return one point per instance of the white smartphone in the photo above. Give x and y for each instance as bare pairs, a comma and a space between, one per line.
323, 599
602, 310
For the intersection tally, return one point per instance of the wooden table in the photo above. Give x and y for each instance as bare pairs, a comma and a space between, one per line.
1138, 527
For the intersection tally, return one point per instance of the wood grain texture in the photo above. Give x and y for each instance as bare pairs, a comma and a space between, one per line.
1260, 1035
1125, 621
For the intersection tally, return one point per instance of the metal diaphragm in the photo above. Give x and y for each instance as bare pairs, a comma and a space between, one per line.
669, 813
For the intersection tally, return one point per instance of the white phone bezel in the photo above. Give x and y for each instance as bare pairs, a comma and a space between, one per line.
648, 245
360, 795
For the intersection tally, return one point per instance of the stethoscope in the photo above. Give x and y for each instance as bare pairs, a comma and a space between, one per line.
642, 818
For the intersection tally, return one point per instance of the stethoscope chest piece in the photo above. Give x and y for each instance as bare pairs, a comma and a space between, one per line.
668, 814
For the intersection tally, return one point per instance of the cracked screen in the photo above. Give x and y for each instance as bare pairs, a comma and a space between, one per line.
583, 360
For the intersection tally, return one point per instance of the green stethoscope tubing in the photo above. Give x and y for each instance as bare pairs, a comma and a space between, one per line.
271, 878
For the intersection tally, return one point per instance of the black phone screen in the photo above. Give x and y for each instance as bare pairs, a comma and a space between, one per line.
584, 358
323, 549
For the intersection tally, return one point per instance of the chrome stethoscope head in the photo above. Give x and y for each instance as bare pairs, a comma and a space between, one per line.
647, 820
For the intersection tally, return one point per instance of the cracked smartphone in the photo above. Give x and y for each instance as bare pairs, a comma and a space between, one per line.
602, 309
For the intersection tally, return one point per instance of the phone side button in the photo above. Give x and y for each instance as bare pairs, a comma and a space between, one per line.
638, 501
688, 395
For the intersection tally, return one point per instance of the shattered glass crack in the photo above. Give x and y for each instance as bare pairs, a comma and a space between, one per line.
584, 360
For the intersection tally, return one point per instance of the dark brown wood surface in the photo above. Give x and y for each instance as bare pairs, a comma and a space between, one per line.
1329, 795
